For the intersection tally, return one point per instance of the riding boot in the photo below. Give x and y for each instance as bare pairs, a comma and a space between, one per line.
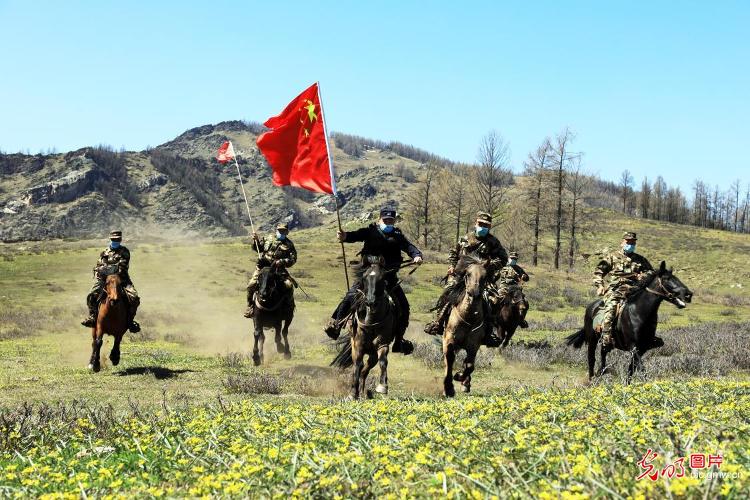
90, 320
400, 344
490, 339
523, 323
332, 328
437, 327
250, 302
133, 325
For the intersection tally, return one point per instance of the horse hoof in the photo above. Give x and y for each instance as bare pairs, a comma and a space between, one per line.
381, 389
459, 377
257, 360
287, 355
369, 394
279, 348
449, 391
466, 388
115, 360
96, 368
90, 367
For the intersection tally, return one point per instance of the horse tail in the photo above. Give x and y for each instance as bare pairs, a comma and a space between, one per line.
344, 358
577, 339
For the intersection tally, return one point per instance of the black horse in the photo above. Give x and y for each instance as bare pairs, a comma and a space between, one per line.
636, 329
274, 305
373, 329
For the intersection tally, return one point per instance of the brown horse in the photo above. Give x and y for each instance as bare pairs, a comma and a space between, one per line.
374, 321
466, 324
511, 312
112, 320
274, 307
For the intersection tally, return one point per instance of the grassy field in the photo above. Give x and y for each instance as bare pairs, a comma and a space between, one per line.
186, 389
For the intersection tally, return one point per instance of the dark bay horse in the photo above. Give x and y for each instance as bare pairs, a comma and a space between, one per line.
466, 323
373, 329
636, 329
112, 319
511, 311
274, 306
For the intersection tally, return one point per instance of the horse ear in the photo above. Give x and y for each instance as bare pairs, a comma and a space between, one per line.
663, 267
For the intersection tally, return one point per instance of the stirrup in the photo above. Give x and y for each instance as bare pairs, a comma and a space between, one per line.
134, 327
249, 312
89, 322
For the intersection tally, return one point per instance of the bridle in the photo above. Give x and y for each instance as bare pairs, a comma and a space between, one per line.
361, 322
663, 292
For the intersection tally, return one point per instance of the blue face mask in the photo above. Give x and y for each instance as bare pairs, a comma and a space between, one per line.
512, 262
114, 244
481, 231
629, 248
280, 236
386, 228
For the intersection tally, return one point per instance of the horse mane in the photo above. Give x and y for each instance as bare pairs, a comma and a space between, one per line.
642, 283
361, 268
455, 293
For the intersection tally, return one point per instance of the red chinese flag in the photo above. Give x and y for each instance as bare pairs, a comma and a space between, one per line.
295, 147
226, 153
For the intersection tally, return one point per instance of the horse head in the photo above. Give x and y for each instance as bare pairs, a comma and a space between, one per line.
672, 288
266, 283
475, 274
373, 280
112, 288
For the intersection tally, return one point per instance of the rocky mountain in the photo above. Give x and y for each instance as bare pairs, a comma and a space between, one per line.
179, 189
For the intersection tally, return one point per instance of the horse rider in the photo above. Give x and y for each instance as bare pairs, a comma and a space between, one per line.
275, 251
114, 256
380, 239
624, 268
484, 244
512, 275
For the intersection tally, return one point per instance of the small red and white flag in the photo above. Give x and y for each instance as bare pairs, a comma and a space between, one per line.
226, 153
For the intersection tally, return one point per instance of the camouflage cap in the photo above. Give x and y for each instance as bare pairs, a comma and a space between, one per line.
282, 226
629, 235
484, 217
115, 235
387, 212
513, 255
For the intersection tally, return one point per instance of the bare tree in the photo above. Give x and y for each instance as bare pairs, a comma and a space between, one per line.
420, 202
645, 197
561, 158
454, 194
735, 190
626, 184
493, 175
576, 183
536, 169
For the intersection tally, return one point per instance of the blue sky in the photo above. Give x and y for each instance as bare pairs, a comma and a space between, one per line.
653, 87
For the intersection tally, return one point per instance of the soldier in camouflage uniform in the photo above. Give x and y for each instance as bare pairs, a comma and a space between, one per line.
277, 251
483, 244
115, 255
625, 268
512, 275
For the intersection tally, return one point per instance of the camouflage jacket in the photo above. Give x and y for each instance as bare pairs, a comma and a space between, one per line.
512, 275
487, 247
272, 249
622, 269
119, 257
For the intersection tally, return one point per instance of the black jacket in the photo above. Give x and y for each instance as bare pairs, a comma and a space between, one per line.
388, 245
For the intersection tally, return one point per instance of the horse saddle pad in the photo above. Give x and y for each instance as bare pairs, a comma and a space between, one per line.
598, 323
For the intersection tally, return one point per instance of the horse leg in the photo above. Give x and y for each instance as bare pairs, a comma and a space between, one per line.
285, 334
372, 359
449, 355
277, 338
96, 345
258, 346
635, 364
468, 370
591, 358
359, 363
382, 387
114, 355
603, 367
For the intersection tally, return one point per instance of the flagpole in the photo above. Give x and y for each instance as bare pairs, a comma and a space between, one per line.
247, 205
333, 182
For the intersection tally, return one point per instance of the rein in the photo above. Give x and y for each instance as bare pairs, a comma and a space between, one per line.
361, 322
664, 293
